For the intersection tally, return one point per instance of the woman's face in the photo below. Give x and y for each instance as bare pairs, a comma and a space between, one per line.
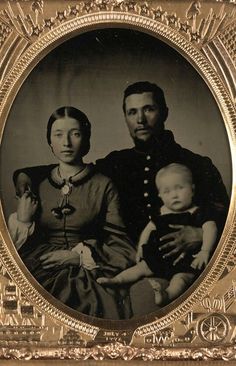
66, 140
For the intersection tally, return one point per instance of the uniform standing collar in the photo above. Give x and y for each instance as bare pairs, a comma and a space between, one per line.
155, 144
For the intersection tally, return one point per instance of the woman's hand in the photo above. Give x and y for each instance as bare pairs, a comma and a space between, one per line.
27, 206
180, 241
60, 258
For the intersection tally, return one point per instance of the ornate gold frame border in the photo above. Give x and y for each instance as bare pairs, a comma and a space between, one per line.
203, 32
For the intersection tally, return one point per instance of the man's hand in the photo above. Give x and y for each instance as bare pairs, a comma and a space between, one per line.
60, 258
26, 208
23, 184
201, 259
180, 241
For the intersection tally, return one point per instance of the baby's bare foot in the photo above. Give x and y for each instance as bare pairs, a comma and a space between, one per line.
158, 297
161, 296
103, 280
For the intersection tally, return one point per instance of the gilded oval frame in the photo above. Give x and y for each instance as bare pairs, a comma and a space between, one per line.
11, 83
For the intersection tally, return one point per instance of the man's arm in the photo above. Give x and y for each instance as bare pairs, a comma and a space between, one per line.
108, 165
22, 184
211, 193
30, 178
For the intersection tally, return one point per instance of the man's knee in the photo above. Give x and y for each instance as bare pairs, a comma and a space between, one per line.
142, 298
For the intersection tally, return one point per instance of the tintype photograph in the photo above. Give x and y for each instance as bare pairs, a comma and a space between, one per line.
117, 228
115, 174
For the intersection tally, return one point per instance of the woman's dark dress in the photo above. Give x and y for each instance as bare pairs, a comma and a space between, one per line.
96, 221
163, 267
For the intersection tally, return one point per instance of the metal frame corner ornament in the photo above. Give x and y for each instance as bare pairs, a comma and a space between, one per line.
203, 327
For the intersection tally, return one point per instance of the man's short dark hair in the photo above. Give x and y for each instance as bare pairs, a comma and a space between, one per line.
143, 87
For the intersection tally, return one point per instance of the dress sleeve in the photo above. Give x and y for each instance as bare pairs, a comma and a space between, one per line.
117, 252
19, 231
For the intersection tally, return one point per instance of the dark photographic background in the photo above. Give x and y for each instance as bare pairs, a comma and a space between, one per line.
91, 72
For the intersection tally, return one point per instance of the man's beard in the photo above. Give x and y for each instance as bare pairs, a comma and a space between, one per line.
147, 145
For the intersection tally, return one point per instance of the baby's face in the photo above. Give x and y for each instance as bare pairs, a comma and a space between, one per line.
175, 191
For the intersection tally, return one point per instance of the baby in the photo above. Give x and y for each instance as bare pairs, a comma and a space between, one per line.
176, 189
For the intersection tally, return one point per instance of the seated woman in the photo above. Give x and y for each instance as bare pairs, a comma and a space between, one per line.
72, 233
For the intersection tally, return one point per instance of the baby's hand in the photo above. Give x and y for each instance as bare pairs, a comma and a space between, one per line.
27, 206
201, 259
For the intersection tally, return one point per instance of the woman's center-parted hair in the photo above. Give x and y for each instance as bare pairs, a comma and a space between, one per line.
72, 112
183, 170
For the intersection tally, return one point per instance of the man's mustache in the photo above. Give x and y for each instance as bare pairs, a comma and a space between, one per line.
143, 128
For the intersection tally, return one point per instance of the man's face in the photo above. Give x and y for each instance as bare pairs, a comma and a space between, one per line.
143, 116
